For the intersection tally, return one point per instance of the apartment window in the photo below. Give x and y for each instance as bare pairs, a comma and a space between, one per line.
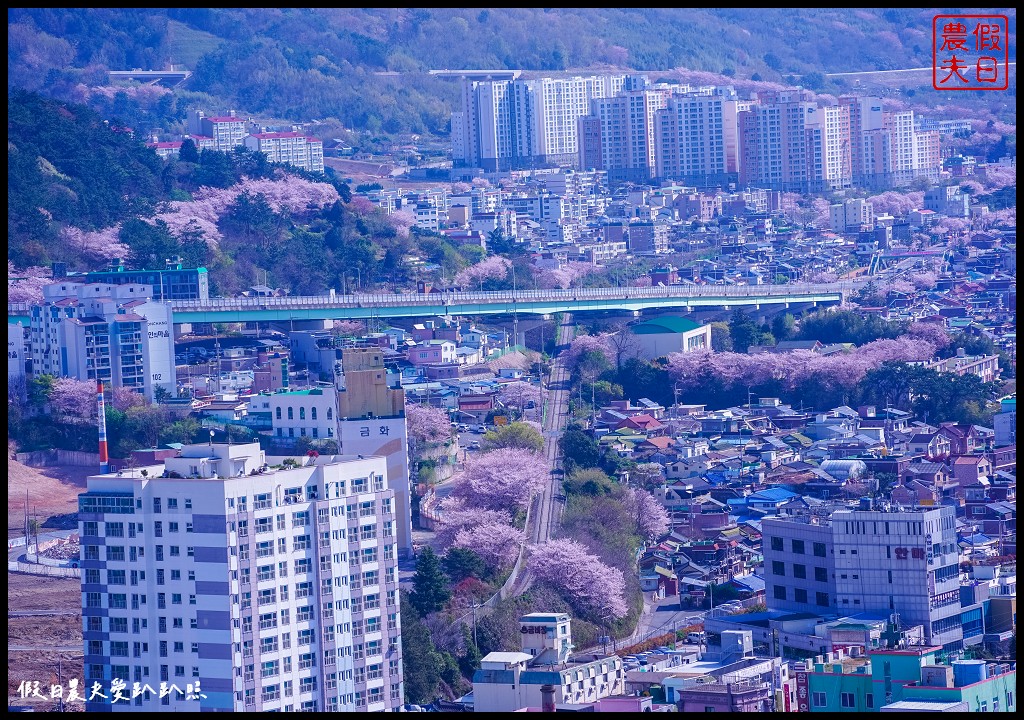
847, 700
777, 544
869, 700
819, 549
799, 571
800, 595
821, 599
779, 592
818, 699
798, 547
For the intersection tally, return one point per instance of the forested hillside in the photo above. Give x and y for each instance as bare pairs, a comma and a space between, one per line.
365, 67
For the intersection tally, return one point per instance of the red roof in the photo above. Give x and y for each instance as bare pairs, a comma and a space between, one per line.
172, 145
227, 118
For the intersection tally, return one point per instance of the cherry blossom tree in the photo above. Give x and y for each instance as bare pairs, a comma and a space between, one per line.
349, 327
931, 332
649, 515
897, 203
593, 587
401, 221
98, 245
26, 285
123, 399
494, 267
74, 400
518, 394
925, 280
457, 515
502, 479
583, 344
427, 424
497, 544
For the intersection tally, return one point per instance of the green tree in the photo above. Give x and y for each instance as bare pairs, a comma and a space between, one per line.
783, 326
579, 449
188, 151
592, 482
430, 590
721, 338
421, 663
743, 331
469, 662
514, 435
149, 245
462, 563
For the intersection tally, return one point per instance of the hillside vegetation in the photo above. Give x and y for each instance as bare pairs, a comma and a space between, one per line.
312, 64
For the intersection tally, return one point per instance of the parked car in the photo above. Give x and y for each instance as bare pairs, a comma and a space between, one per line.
696, 638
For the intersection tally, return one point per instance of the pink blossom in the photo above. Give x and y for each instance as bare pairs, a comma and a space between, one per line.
402, 220
494, 267
26, 285
651, 518
427, 424
583, 344
349, 327
642, 281
596, 588
518, 394
457, 515
897, 203
122, 398
97, 245
502, 479
497, 544
74, 400
932, 333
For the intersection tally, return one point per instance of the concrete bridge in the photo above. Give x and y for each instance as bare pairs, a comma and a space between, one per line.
537, 302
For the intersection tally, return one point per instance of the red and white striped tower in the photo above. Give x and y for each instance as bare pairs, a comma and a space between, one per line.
102, 417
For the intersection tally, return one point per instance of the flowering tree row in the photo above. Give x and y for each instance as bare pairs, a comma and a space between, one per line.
597, 589
427, 424
494, 267
692, 369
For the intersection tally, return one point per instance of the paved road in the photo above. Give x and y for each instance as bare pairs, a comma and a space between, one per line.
71, 649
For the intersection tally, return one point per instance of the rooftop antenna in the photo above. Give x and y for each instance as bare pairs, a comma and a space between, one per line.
102, 421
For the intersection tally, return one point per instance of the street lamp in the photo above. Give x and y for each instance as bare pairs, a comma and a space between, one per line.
211, 437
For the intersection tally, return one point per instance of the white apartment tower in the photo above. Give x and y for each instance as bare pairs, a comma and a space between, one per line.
273, 589
626, 125
515, 123
96, 331
696, 137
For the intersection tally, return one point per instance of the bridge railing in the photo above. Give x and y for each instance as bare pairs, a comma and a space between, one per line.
511, 297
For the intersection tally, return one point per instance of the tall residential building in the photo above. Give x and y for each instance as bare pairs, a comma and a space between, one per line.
887, 148
270, 588
371, 421
516, 123
852, 215
903, 562
114, 333
627, 130
696, 138
290, 148
789, 143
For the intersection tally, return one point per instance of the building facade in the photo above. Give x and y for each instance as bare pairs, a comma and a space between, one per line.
258, 588
116, 334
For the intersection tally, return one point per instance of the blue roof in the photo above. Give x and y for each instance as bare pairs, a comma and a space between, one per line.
750, 582
772, 495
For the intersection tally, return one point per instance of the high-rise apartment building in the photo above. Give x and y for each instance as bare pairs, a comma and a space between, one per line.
226, 131
516, 123
371, 421
903, 562
789, 143
696, 138
887, 148
270, 588
113, 333
626, 125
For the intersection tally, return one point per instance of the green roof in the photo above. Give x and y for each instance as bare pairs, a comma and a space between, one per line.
311, 391
667, 324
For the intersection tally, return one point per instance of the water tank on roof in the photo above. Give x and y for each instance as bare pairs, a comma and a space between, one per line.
968, 672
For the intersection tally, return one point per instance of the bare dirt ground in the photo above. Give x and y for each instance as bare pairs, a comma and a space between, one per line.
31, 592
51, 491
